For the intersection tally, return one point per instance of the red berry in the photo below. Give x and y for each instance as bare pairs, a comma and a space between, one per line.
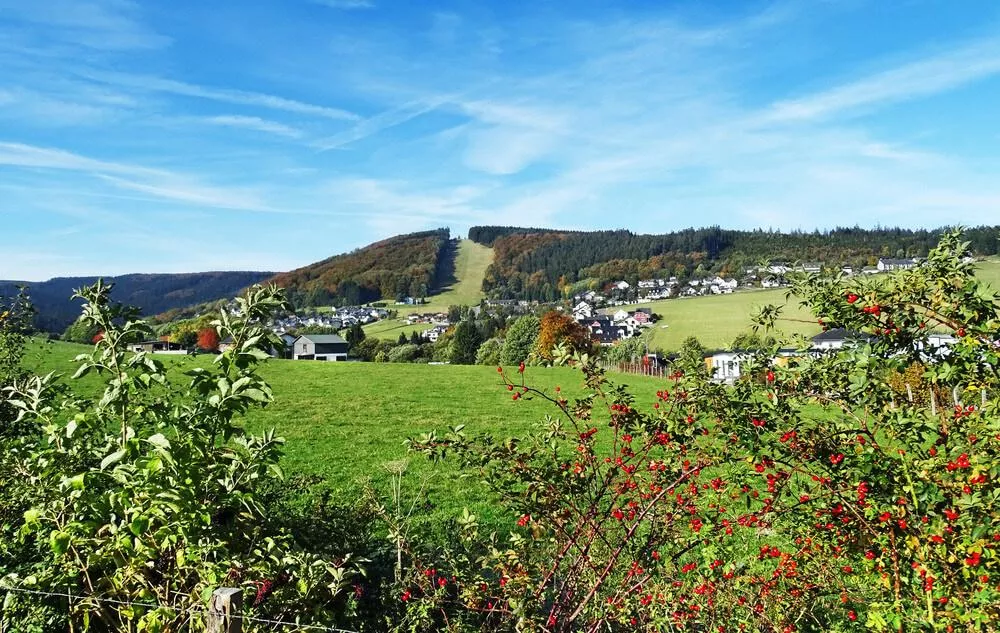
851, 298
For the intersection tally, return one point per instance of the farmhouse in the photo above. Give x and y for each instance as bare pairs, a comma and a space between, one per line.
725, 365
895, 264
434, 333
836, 338
158, 347
319, 347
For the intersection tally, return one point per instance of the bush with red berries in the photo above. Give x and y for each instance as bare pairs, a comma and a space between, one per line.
810, 496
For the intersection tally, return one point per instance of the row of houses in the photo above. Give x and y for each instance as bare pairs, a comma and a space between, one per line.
726, 365
337, 318
770, 276
610, 328
326, 347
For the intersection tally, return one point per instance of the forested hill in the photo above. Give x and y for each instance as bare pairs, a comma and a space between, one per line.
152, 293
543, 264
406, 265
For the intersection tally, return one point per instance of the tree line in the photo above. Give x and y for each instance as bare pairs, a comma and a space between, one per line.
411, 265
535, 264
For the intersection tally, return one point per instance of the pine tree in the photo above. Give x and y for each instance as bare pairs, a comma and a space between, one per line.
354, 335
465, 344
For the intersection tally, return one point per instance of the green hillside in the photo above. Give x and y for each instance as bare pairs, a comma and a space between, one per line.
471, 262
413, 264
989, 271
345, 421
717, 319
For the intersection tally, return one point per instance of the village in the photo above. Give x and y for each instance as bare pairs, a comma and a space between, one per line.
317, 334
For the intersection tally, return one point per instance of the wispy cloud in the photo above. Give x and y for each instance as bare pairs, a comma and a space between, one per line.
590, 117
346, 4
919, 78
97, 24
254, 123
158, 183
224, 95
382, 121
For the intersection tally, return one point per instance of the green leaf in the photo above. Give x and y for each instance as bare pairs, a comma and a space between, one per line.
159, 440
77, 481
82, 371
113, 458
139, 525
59, 542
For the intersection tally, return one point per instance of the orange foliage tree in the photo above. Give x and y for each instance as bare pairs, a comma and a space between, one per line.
208, 339
557, 328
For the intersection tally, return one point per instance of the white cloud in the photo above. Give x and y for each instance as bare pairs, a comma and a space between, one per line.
346, 4
919, 78
98, 24
225, 95
505, 151
254, 123
382, 121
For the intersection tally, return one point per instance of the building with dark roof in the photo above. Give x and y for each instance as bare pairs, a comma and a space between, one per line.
319, 347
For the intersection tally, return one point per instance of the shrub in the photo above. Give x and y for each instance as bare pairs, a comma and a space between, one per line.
149, 494
808, 497
489, 352
520, 340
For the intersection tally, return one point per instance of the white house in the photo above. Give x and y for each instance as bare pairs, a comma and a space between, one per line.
622, 285
725, 365
895, 264
620, 316
434, 333
583, 310
319, 347
836, 338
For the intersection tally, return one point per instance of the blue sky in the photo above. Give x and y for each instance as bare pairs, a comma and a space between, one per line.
187, 135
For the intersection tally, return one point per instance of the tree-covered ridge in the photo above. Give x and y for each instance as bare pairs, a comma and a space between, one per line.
488, 235
151, 293
533, 265
405, 265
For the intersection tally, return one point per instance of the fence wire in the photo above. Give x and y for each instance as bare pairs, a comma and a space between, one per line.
191, 611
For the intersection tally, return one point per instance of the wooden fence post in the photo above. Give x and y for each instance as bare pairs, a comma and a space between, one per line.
224, 611
909, 393
933, 402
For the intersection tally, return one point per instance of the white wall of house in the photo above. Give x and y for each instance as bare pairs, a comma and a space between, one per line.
726, 366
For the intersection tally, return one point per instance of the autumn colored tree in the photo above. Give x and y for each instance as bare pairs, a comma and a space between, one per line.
557, 328
208, 339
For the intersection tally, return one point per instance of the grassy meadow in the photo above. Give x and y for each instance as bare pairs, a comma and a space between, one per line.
346, 421
717, 319
989, 271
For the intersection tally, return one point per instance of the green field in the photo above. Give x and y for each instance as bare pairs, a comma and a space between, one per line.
716, 319
345, 421
391, 328
989, 271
